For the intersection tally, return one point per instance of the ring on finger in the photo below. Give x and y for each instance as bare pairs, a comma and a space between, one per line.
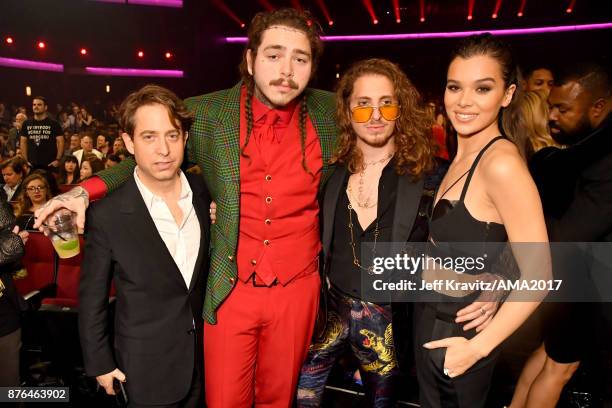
482, 311
447, 372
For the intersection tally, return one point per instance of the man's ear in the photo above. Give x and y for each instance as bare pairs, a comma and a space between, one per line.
598, 108
249, 58
128, 141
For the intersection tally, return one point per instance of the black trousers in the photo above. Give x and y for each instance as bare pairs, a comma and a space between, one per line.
193, 399
468, 390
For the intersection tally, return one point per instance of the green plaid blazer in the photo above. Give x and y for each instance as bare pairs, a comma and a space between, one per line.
214, 145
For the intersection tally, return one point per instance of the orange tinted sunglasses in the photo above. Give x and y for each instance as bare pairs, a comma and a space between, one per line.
361, 114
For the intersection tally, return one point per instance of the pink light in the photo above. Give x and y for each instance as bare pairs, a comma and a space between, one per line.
570, 8
470, 9
227, 11
41, 45
83, 51
368, 5
422, 8
330, 22
168, 55
9, 40
494, 16
140, 54
396, 10
324, 10
27, 64
134, 72
452, 34
498, 4
162, 3
522, 8
469, 17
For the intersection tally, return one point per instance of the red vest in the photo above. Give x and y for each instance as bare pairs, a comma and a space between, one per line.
279, 212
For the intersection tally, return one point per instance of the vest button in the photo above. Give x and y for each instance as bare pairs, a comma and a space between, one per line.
268, 221
268, 177
232, 280
268, 200
253, 262
266, 242
231, 258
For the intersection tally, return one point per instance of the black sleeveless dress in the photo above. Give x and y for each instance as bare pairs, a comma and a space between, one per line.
450, 225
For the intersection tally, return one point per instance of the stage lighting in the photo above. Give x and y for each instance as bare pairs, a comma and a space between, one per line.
330, 22
107, 88
520, 14
28, 91
83, 51
397, 20
168, 55
375, 21
140, 54
9, 40
41, 45
494, 16
242, 25
568, 10
469, 17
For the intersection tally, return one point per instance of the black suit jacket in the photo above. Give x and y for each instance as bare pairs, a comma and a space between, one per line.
412, 203
155, 343
15, 196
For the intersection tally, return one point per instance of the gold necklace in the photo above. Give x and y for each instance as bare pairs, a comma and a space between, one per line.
369, 269
361, 202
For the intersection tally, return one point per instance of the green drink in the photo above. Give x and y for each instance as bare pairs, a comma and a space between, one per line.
66, 249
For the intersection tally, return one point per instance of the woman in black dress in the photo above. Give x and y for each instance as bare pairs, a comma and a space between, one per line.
486, 197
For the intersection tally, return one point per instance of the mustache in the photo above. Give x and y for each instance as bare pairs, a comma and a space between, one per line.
292, 84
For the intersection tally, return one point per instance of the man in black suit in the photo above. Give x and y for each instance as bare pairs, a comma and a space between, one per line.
151, 237
575, 184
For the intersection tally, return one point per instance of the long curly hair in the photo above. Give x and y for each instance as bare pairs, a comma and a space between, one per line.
299, 20
415, 147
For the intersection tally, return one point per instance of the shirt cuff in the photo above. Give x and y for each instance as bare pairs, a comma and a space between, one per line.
95, 187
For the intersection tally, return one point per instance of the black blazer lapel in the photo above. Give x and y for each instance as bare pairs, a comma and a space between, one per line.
330, 202
406, 207
201, 204
138, 221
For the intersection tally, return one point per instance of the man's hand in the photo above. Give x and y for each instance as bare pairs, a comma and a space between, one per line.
76, 200
54, 163
106, 380
24, 235
213, 212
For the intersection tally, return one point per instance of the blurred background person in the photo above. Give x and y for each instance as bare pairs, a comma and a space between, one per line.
90, 165
13, 173
69, 171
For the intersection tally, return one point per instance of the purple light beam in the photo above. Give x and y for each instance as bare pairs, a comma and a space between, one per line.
164, 3
27, 64
455, 34
134, 72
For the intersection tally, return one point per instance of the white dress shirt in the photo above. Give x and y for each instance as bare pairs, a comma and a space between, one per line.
182, 241
10, 191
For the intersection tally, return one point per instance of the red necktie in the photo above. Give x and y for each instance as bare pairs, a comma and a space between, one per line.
266, 135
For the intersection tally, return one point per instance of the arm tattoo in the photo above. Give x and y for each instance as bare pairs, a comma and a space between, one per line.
77, 192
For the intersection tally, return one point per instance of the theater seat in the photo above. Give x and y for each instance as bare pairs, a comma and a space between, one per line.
63, 188
40, 265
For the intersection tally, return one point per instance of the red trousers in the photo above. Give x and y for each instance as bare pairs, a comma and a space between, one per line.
253, 355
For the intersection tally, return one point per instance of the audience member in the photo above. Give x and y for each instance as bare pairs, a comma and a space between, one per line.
118, 145
102, 144
90, 165
87, 148
123, 154
11, 303
85, 119
37, 191
13, 136
527, 119
111, 161
13, 173
69, 171
42, 140
537, 78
